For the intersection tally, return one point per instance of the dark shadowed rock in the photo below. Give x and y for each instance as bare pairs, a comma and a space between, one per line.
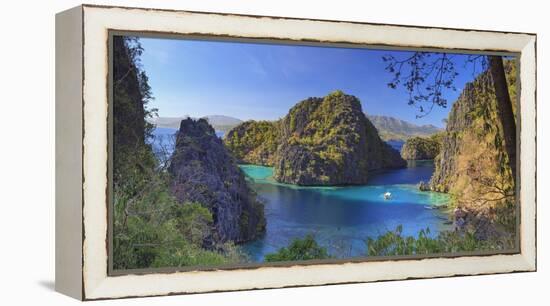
203, 171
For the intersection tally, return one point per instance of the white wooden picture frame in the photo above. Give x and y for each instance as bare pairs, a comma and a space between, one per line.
82, 36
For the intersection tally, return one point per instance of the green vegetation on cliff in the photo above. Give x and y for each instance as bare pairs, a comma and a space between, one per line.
329, 141
417, 148
473, 164
254, 142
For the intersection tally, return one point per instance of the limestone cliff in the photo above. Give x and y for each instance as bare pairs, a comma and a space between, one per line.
203, 171
472, 164
321, 141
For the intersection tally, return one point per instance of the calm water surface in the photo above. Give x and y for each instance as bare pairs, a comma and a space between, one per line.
341, 218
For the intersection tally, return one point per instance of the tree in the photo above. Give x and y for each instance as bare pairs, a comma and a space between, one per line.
504, 109
299, 249
426, 75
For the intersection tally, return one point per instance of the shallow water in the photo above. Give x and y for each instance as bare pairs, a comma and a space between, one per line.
342, 218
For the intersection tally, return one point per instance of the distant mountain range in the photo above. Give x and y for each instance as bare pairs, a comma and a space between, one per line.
218, 122
389, 128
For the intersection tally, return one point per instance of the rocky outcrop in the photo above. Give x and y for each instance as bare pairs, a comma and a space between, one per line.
472, 164
321, 141
418, 148
329, 141
203, 171
254, 142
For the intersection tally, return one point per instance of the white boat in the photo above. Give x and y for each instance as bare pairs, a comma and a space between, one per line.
387, 196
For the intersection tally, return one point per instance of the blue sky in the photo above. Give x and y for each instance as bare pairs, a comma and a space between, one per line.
263, 81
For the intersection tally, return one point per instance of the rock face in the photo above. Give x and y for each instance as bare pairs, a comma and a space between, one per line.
329, 141
417, 148
472, 164
321, 141
203, 171
254, 142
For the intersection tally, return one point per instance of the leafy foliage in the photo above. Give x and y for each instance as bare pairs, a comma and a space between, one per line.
393, 243
299, 249
425, 76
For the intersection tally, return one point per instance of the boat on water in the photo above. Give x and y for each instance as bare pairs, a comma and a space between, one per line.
387, 196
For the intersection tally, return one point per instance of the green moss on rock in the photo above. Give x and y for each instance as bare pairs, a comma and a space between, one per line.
254, 142
418, 148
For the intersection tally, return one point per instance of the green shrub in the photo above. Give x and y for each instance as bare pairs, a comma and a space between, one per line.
393, 243
299, 249
154, 230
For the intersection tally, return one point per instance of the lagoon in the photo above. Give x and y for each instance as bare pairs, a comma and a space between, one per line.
342, 218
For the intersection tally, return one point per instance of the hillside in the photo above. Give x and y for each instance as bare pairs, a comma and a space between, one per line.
390, 128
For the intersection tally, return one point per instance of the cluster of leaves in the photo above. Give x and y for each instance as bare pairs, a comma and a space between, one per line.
393, 243
425, 76
154, 230
299, 249
254, 142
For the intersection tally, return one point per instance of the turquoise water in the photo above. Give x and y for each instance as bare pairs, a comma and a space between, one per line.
342, 218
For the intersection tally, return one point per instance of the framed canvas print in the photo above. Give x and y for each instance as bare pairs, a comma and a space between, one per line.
201, 152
